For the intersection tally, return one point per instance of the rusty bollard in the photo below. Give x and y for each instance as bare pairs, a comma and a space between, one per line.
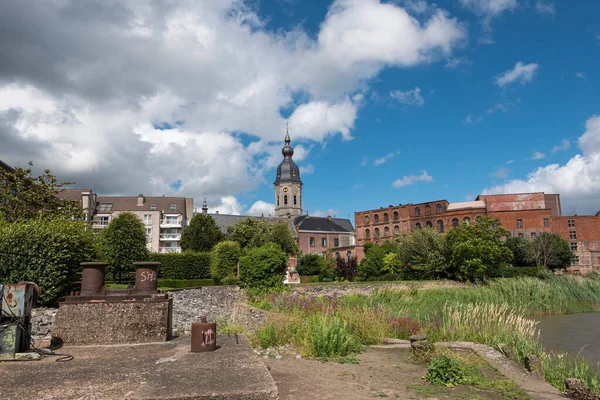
92, 277
204, 336
145, 277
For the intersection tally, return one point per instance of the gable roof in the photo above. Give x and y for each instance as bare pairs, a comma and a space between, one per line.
71, 193
6, 166
323, 224
129, 203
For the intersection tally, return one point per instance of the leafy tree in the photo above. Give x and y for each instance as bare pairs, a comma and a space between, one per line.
202, 234
124, 242
372, 265
255, 232
328, 267
263, 267
550, 251
24, 196
423, 253
476, 251
521, 249
346, 269
309, 264
224, 260
392, 263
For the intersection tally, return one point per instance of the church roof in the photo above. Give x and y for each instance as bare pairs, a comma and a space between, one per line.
323, 224
288, 171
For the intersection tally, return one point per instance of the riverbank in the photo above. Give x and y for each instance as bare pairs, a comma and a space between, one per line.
492, 314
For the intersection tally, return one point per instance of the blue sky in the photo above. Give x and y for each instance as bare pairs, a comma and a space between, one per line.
388, 101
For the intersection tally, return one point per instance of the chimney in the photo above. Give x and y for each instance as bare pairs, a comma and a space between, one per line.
216, 212
140, 200
329, 217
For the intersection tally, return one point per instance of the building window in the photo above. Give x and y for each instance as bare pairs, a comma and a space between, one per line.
574, 246
455, 222
105, 207
417, 212
386, 231
395, 216
575, 260
418, 225
148, 234
521, 236
173, 206
147, 219
533, 235
428, 224
171, 220
467, 220
323, 254
295, 200
337, 254
572, 235
366, 220
519, 224
336, 242
277, 200
285, 200
312, 241
546, 222
323, 242
367, 233
152, 207
376, 232
349, 255
385, 217
396, 230
571, 223
376, 218
427, 210
102, 221
438, 209
440, 225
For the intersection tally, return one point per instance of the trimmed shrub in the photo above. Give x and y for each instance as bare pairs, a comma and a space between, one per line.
187, 265
124, 242
263, 267
47, 253
224, 260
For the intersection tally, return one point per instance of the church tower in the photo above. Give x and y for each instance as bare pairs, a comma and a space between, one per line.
288, 186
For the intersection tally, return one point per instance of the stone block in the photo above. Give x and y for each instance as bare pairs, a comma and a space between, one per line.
90, 323
534, 365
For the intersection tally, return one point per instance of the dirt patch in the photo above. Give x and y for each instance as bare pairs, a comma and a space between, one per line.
381, 373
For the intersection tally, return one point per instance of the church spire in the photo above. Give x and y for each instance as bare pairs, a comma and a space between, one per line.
287, 133
204, 206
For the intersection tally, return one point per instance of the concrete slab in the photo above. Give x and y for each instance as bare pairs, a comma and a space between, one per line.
143, 371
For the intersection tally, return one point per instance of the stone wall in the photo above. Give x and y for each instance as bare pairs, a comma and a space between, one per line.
42, 320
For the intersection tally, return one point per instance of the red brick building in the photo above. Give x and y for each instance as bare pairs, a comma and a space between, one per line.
523, 214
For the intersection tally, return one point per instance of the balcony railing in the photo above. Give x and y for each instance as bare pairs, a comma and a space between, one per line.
169, 249
170, 236
99, 223
170, 223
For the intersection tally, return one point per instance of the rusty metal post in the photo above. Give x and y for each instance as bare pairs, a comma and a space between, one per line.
146, 277
204, 336
92, 277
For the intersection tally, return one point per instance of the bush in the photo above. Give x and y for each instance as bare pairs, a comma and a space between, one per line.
309, 264
187, 265
185, 283
224, 260
124, 242
47, 253
263, 267
445, 370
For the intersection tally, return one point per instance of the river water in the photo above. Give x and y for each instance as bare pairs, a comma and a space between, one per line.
572, 333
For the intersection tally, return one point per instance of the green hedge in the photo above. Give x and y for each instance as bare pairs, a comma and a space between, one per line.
47, 253
187, 265
185, 283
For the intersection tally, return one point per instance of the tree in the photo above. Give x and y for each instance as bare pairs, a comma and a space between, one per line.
328, 267
346, 269
309, 264
255, 232
392, 264
124, 242
24, 196
476, 251
550, 251
372, 265
521, 249
202, 234
224, 260
263, 267
422, 252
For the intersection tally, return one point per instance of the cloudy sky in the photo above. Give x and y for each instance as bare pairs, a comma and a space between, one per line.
387, 101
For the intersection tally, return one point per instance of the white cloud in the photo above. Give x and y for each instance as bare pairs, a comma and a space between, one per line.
504, 107
564, 145
454, 62
410, 97
386, 158
500, 173
576, 181
510, 162
261, 208
580, 75
523, 73
544, 8
538, 155
357, 186
468, 119
364, 162
211, 71
329, 213
307, 169
229, 205
487, 10
412, 179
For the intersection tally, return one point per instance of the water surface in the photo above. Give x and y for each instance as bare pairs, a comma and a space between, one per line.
572, 333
